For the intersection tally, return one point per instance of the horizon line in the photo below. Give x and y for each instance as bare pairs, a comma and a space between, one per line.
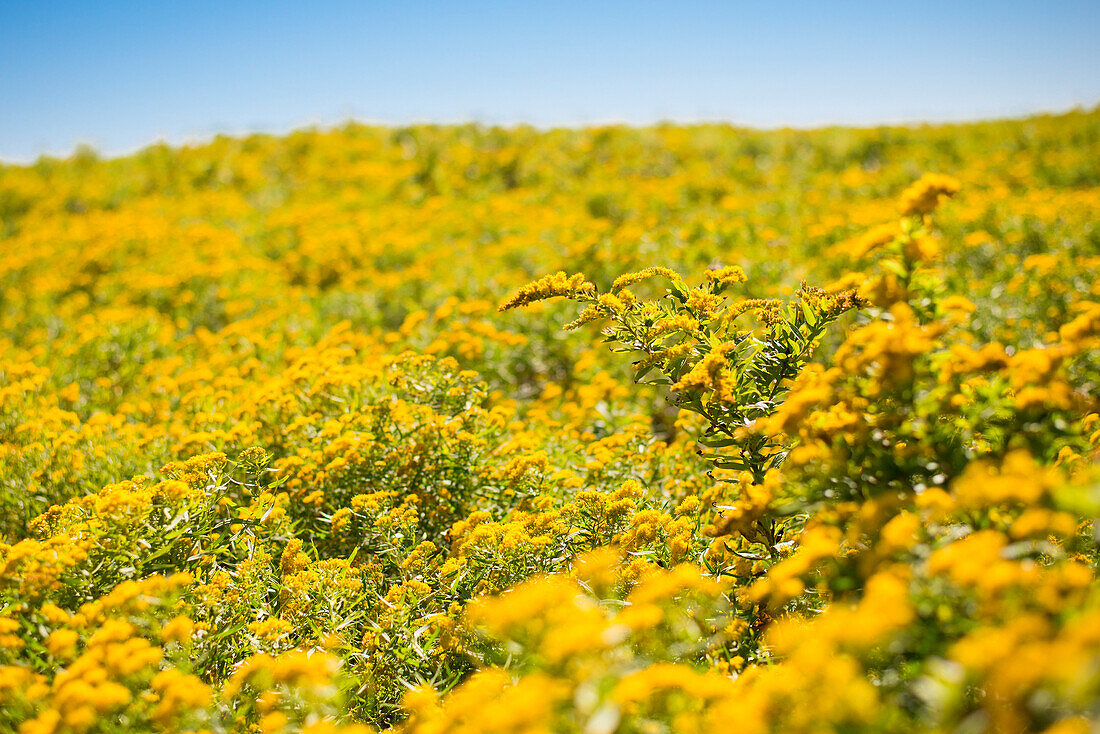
201, 139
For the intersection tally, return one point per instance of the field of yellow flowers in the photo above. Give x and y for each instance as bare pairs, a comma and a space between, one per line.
672, 429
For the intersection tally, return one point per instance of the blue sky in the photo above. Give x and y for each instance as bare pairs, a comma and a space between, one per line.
122, 75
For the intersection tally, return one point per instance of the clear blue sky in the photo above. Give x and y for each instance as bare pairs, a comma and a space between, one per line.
121, 75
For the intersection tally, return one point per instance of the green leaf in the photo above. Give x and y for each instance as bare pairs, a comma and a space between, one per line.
808, 312
639, 374
718, 441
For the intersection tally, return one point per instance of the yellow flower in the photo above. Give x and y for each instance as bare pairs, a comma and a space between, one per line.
178, 629
61, 643
923, 196
550, 286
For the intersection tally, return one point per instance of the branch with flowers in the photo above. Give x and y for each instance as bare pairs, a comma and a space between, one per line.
730, 360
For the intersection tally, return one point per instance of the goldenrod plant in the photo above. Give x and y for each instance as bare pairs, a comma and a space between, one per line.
730, 370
